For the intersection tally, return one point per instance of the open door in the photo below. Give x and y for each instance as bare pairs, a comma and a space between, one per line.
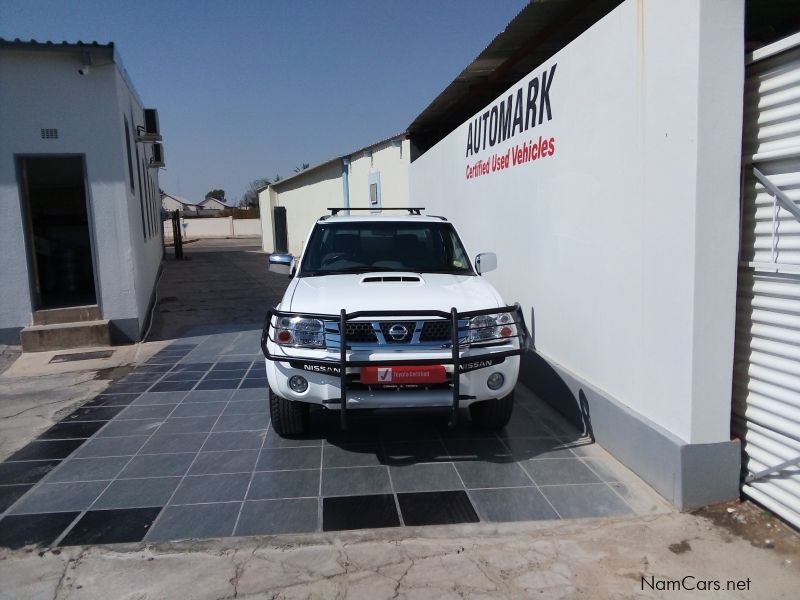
59, 240
281, 237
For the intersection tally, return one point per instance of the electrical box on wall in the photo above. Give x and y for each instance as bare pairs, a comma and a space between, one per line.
374, 180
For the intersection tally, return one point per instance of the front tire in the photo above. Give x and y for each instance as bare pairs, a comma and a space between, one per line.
492, 415
288, 418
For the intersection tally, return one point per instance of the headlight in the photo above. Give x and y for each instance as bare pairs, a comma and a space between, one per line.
491, 327
297, 331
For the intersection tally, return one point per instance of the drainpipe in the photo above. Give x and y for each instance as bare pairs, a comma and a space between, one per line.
346, 183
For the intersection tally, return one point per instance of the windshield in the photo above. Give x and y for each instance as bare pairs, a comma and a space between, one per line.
352, 247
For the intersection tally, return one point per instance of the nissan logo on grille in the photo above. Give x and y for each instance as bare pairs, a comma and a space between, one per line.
398, 332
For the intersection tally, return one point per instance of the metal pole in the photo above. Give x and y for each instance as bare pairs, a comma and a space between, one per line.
343, 367
456, 376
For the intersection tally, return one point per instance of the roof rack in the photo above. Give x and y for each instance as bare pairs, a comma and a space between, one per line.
412, 210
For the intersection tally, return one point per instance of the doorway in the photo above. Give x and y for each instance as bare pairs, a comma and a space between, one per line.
281, 237
59, 238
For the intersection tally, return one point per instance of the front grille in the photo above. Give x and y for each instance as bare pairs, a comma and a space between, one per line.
386, 327
436, 331
360, 332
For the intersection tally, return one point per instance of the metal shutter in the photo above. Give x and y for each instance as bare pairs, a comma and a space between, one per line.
766, 386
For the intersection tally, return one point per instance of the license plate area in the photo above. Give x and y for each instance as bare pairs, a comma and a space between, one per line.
404, 375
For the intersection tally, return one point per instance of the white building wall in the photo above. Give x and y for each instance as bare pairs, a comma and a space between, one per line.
86, 110
391, 161
307, 198
624, 240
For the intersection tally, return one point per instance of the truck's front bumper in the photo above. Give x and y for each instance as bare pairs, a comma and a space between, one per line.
333, 373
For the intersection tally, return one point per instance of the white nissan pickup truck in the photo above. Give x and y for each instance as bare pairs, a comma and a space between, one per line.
387, 311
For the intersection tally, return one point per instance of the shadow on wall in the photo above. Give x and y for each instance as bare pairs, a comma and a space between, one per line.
537, 374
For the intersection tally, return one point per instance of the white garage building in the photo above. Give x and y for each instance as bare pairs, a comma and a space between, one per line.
80, 230
370, 177
636, 164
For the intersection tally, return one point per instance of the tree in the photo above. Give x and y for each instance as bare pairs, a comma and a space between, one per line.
218, 194
303, 168
250, 197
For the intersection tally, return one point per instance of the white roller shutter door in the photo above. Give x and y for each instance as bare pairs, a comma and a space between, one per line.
766, 387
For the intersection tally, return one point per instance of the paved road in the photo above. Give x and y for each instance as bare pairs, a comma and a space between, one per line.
220, 283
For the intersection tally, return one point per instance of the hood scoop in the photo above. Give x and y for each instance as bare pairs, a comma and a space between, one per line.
392, 279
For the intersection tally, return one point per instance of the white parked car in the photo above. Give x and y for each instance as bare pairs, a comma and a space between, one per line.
387, 311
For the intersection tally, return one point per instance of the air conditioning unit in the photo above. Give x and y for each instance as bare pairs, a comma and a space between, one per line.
157, 160
150, 132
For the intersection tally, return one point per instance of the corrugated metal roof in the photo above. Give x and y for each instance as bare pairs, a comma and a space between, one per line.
540, 30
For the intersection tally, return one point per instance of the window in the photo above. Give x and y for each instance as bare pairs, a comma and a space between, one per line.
128, 148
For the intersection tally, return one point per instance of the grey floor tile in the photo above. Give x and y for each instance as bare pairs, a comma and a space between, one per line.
522, 424
111, 446
264, 517
557, 471
199, 409
242, 422
281, 459
477, 449
188, 425
606, 470
406, 453
249, 394
138, 493
211, 488
425, 478
123, 428
531, 448
158, 465
155, 411
352, 455
150, 398
230, 461
60, 497
355, 481
587, 500
275, 441
284, 484
481, 474
512, 504
194, 522
88, 469
235, 440
640, 498
208, 396
174, 442
246, 407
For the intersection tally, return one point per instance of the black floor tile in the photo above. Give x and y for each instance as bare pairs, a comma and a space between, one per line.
231, 366
267, 517
111, 526
173, 386
17, 531
218, 384
359, 512
436, 508
46, 450
102, 413
67, 431
111, 400
249, 384
196, 367
18, 473
232, 374
352, 455
10, 494
196, 521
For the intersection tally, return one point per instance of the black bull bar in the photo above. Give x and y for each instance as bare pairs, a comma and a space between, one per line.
338, 367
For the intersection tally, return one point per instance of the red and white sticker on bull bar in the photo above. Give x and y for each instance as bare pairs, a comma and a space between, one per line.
405, 375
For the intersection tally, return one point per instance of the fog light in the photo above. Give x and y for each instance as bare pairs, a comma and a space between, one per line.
495, 381
299, 384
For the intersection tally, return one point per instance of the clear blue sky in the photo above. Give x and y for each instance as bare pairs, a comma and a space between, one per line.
250, 89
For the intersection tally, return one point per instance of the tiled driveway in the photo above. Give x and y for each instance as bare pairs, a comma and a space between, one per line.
181, 448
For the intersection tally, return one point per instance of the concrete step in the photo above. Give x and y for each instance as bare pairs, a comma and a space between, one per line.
70, 314
62, 336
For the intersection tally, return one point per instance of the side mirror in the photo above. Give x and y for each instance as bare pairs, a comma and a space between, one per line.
485, 262
280, 263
